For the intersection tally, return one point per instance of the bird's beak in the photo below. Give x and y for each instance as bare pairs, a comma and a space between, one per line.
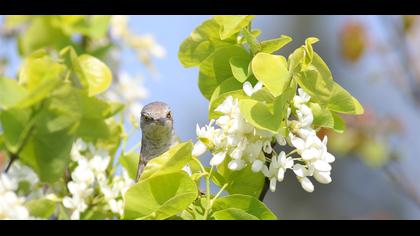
162, 121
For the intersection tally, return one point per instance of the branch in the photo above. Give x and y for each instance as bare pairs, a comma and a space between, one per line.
403, 184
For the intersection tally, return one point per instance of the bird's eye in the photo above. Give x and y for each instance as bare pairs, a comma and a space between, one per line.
148, 118
169, 115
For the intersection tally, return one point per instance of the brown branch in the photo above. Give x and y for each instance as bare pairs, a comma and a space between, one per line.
400, 181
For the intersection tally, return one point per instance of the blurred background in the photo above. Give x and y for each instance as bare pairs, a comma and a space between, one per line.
377, 171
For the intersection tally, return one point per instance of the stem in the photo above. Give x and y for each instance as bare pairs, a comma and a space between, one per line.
291, 152
265, 189
12, 159
218, 194
266, 181
208, 193
14, 156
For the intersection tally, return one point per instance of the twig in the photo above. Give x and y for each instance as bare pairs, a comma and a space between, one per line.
265, 189
12, 159
405, 58
402, 183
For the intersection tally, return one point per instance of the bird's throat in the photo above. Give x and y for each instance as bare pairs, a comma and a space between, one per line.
153, 147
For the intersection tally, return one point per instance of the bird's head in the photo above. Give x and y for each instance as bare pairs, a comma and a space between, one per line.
156, 120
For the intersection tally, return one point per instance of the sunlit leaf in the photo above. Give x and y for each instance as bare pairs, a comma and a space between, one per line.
160, 197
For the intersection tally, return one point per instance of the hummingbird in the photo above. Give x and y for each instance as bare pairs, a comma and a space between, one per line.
158, 135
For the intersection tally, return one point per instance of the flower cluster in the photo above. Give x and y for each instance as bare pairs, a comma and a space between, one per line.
145, 46
12, 201
130, 91
244, 144
90, 175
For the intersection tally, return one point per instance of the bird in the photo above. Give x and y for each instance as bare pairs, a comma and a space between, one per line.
158, 134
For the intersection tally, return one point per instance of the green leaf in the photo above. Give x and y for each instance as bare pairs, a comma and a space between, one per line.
171, 161
249, 204
233, 214
295, 60
269, 117
92, 129
14, 124
239, 68
342, 101
309, 50
98, 26
322, 117
41, 208
130, 163
114, 139
40, 75
339, 123
160, 197
47, 153
113, 109
272, 71
216, 68
201, 43
317, 81
252, 41
273, 45
42, 33
315, 85
86, 114
97, 74
241, 182
10, 93
231, 25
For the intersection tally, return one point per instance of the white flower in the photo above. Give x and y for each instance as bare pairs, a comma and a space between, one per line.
218, 158
267, 147
323, 177
129, 88
306, 184
280, 139
249, 90
236, 164
257, 166
305, 116
253, 150
278, 167
7, 184
77, 147
12, 208
119, 25
149, 42
99, 162
199, 148
227, 107
116, 206
207, 132
83, 174
300, 99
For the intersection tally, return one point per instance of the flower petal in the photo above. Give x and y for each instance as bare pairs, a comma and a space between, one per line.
306, 184
199, 149
257, 166
273, 183
321, 165
322, 177
217, 158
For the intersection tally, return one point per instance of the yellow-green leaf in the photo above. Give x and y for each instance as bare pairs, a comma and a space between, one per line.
98, 75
